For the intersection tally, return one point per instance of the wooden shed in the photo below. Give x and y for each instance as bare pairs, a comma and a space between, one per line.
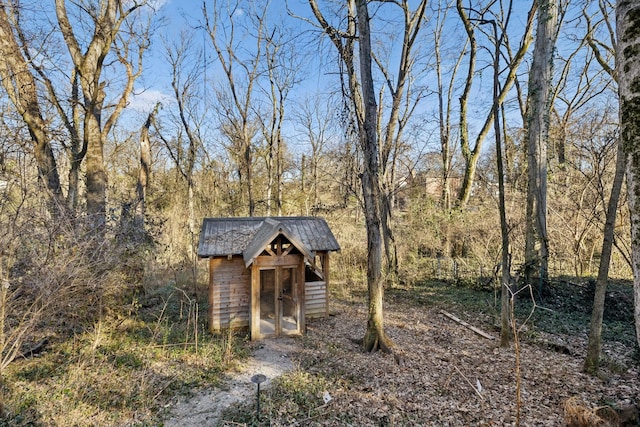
270, 274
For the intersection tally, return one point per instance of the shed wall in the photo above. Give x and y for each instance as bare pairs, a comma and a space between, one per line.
315, 299
229, 293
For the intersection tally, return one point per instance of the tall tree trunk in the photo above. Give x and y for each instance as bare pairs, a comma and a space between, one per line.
505, 279
238, 110
365, 112
538, 116
592, 360
375, 337
96, 175
628, 76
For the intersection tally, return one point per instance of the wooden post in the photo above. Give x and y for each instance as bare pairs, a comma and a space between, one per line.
300, 297
254, 315
277, 327
211, 296
325, 270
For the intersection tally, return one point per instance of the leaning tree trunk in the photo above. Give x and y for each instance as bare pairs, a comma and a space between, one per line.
144, 173
628, 73
390, 248
21, 89
592, 360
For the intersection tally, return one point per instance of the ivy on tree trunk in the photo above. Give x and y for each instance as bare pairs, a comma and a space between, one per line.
628, 74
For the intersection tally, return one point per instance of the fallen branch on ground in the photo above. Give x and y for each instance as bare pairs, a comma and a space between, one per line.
463, 323
36, 349
469, 382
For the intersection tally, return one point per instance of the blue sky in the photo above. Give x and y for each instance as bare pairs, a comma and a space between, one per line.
320, 73
176, 16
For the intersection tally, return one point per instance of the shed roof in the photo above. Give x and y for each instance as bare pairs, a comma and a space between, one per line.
235, 236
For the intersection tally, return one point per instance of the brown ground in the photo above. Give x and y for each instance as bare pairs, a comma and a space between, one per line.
452, 376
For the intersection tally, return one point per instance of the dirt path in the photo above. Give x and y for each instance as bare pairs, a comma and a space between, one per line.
271, 357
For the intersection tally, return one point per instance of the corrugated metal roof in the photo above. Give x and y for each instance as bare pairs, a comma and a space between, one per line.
232, 236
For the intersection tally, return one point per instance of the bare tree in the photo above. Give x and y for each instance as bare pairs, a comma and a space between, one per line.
538, 113
90, 33
505, 278
375, 337
470, 153
186, 96
282, 70
182, 131
242, 70
584, 74
314, 118
20, 86
68, 106
88, 57
445, 93
362, 98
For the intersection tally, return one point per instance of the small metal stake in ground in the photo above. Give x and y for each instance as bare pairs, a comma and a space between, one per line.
258, 379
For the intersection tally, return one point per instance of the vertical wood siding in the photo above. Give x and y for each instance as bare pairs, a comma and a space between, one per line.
230, 293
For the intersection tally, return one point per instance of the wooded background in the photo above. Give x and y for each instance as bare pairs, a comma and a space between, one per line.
123, 124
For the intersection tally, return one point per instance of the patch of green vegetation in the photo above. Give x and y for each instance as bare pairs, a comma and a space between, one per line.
295, 398
565, 307
448, 295
122, 367
38, 370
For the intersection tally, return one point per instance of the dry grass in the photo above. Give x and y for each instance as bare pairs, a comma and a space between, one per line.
121, 371
577, 414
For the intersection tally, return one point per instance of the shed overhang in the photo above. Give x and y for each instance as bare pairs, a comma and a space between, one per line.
268, 231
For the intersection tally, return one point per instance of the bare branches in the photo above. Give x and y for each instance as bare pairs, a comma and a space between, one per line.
604, 52
236, 98
471, 155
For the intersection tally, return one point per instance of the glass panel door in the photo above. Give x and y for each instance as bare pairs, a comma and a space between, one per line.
268, 306
289, 300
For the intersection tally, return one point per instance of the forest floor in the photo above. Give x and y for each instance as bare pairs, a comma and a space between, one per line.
151, 369
451, 376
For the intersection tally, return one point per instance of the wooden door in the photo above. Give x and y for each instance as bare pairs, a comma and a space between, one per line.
278, 301
289, 301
